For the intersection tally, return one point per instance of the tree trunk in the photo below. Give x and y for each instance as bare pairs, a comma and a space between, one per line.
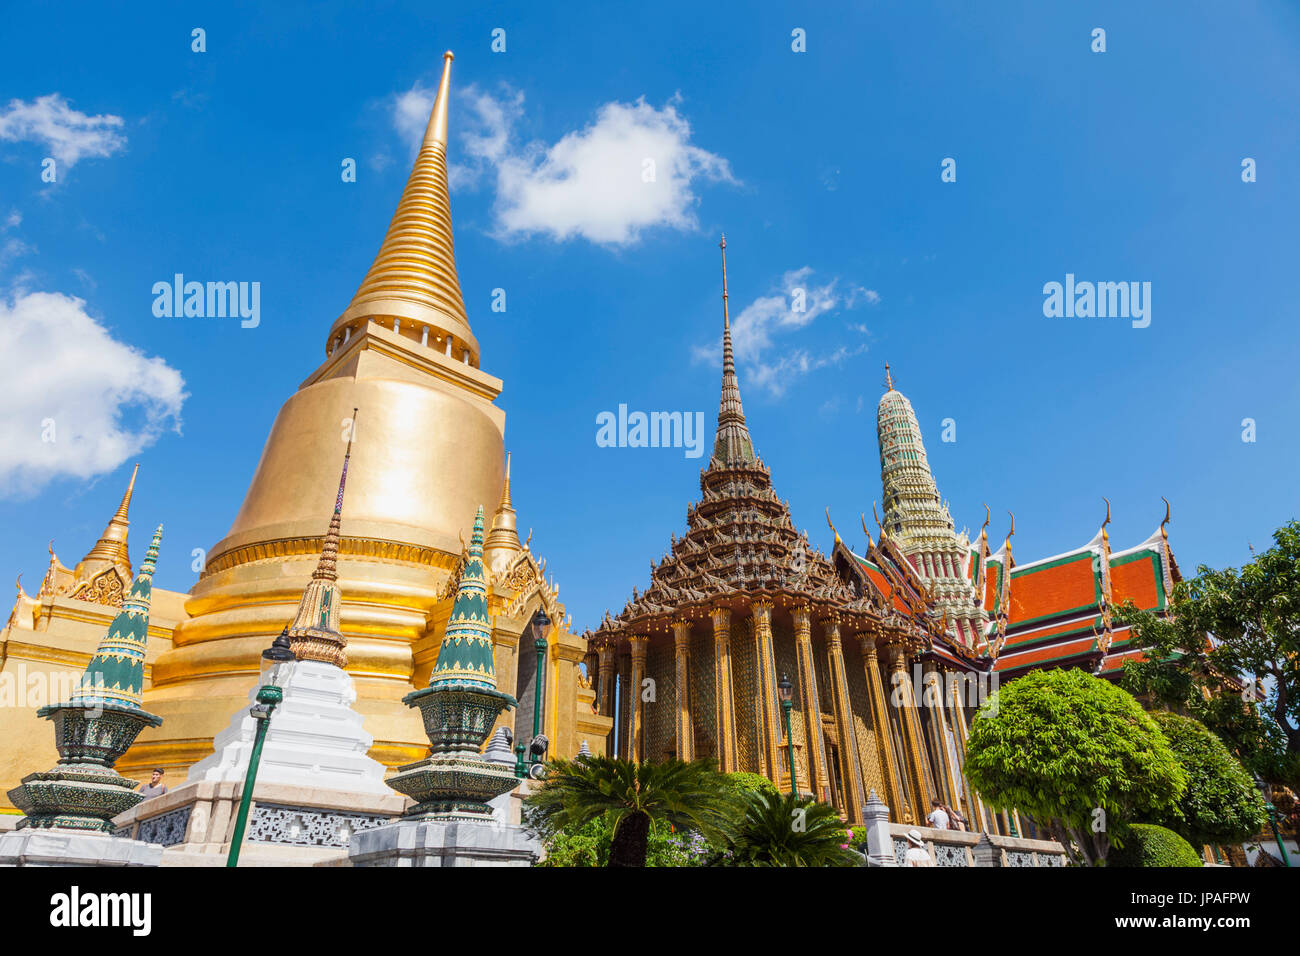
630, 841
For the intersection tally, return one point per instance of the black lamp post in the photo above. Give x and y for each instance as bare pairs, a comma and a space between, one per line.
276, 661
540, 623
786, 689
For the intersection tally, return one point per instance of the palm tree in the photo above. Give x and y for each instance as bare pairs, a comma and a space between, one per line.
786, 831
633, 798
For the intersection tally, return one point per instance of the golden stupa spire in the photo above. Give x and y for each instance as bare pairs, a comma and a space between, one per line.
413, 280
503, 540
111, 548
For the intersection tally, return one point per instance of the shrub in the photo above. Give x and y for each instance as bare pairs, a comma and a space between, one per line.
1149, 845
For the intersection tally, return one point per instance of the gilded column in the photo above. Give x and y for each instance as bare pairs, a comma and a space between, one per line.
850, 765
880, 722
636, 715
770, 729
724, 697
933, 698
819, 782
606, 652
975, 811
913, 744
624, 695
685, 731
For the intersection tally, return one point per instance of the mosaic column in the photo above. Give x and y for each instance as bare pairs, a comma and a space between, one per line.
636, 712
880, 722
685, 731
850, 766
933, 698
724, 697
770, 727
905, 695
819, 780
624, 675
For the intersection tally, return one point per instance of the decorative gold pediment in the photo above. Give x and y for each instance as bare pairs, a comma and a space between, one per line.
105, 588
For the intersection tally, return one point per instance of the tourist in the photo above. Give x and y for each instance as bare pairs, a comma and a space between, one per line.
957, 820
155, 787
917, 854
938, 817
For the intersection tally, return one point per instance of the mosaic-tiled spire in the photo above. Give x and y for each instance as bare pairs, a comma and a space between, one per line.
115, 674
732, 446
314, 634
465, 657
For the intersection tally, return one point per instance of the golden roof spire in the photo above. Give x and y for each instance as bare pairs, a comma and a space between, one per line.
111, 548
889, 379
503, 540
413, 279
733, 445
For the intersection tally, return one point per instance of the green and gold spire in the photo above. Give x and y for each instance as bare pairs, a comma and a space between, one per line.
314, 634
465, 657
115, 675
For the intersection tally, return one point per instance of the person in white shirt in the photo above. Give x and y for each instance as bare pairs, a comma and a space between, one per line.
938, 817
917, 854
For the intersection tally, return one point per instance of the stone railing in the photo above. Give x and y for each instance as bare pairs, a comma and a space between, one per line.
963, 848
887, 844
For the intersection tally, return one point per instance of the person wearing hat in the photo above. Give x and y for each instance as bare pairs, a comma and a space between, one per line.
155, 787
917, 854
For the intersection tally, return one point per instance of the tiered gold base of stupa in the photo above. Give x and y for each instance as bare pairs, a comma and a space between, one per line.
427, 453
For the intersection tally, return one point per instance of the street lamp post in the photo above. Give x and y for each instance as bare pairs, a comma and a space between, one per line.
276, 660
786, 689
541, 622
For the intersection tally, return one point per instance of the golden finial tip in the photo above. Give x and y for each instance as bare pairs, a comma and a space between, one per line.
449, 55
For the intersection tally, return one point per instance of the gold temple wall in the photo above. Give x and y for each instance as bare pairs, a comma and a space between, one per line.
868, 740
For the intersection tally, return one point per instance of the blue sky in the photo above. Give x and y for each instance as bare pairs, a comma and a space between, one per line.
822, 167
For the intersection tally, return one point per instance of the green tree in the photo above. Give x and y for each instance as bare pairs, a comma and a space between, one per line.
589, 844
1077, 753
782, 830
1150, 845
1253, 616
633, 799
1221, 803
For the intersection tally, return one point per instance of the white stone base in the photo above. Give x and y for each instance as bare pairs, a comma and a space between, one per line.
196, 822
55, 847
315, 739
432, 843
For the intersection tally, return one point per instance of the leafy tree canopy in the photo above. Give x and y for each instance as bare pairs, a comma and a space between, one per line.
1221, 803
1077, 753
1253, 615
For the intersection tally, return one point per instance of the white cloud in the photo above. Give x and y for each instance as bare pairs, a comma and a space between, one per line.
633, 168
68, 134
66, 377
796, 301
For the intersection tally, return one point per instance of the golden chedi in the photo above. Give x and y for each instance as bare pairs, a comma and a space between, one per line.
427, 452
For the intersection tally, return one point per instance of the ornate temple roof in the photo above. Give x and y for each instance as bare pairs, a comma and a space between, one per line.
740, 539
